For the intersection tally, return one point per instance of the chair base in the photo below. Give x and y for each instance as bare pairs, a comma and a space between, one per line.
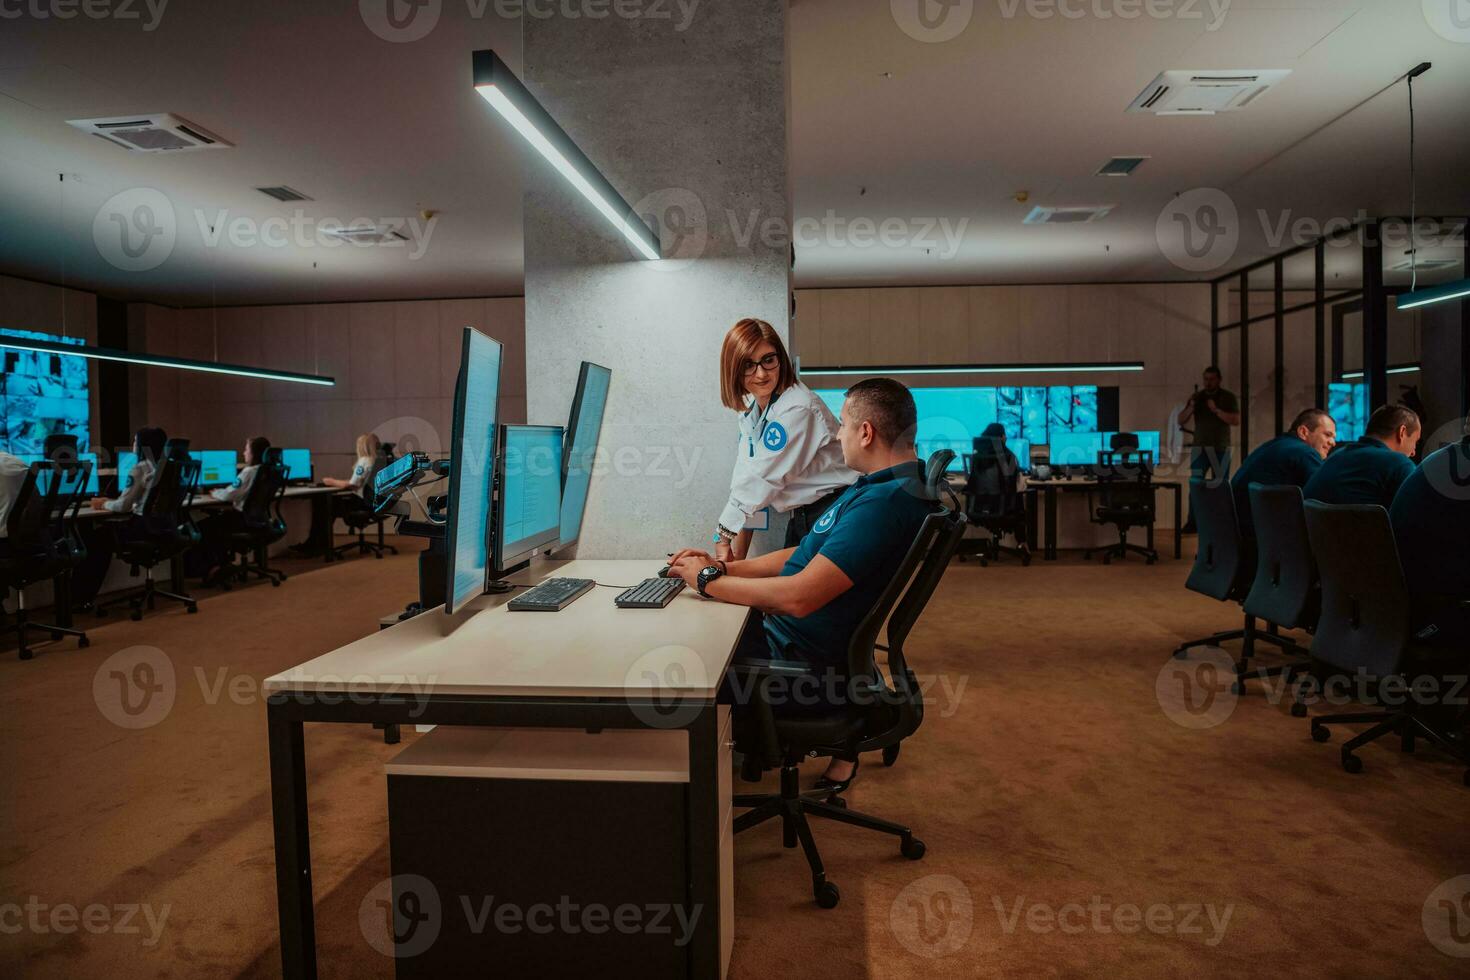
252, 561
24, 624
990, 549
794, 807
1299, 663
1120, 550
145, 596
1407, 724
363, 546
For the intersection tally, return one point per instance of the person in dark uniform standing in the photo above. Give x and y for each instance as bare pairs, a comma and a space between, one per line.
1213, 410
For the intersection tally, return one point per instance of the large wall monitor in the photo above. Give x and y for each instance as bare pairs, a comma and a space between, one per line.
472, 467
41, 394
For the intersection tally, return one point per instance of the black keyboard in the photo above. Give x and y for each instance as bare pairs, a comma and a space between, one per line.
552, 595
651, 593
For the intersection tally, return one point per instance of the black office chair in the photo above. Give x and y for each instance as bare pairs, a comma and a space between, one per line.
356, 511
1286, 592
164, 532
1365, 629
1224, 567
1126, 497
993, 501
880, 713
262, 525
41, 541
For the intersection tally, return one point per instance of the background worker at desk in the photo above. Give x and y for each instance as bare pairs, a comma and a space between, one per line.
1370, 470
813, 596
102, 538
1291, 459
788, 458
215, 530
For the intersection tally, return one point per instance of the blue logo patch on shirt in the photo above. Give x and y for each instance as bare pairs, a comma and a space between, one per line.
774, 438
825, 522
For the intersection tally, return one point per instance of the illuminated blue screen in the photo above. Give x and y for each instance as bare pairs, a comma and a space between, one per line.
45, 482
530, 491
589, 405
1074, 448
41, 394
298, 463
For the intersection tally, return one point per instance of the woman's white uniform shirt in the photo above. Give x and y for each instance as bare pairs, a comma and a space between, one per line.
236, 494
788, 457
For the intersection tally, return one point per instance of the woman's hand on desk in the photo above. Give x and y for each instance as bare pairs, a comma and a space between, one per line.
703, 557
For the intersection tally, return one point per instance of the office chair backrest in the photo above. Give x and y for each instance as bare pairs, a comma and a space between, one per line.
1123, 440
935, 479
25, 524
1365, 603
176, 449
1217, 564
900, 605
994, 486
266, 489
1285, 588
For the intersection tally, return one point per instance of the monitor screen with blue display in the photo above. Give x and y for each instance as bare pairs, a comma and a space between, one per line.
41, 394
1074, 448
584, 427
472, 467
217, 467
298, 463
1072, 408
1348, 405
92, 481
949, 418
529, 512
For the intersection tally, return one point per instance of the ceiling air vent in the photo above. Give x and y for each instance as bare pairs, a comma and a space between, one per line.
1204, 93
1067, 216
1120, 166
160, 132
366, 234
283, 193
1424, 265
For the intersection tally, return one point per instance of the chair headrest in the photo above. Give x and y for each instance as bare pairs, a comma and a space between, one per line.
1123, 440
272, 456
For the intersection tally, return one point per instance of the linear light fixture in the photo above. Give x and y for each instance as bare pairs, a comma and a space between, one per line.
499, 86
157, 360
1075, 367
1396, 369
1434, 294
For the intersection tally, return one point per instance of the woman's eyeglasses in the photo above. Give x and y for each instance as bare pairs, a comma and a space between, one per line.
770, 362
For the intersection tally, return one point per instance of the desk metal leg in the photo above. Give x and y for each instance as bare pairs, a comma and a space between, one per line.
293, 846
704, 843
61, 598
1050, 552
1033, 518
1178, 523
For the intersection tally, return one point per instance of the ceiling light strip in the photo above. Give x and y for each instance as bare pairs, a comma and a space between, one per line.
1396, 369
158, 360
499, 86
1434, 294
1075, 367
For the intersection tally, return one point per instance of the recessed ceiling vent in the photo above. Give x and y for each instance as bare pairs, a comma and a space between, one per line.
160, 132
283, 193
366, 234
1120, 166
1067, 216
1204, 93
1424, 265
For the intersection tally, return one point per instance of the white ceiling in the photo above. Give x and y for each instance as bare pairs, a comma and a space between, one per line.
883, 126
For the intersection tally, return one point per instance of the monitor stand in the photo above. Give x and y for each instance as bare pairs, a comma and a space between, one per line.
498, 585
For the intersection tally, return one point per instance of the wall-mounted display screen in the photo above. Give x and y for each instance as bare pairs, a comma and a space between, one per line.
1347, 403
41, 394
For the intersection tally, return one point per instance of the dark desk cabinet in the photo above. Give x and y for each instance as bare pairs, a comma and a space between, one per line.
559, 875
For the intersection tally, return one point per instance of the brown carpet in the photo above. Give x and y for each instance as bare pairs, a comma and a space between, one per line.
1055, 784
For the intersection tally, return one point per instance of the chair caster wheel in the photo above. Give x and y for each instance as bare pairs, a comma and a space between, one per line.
1298, 710
82, 641
1320, 733
890, 755
837, 801
191, 608
283, 576
275, 584
379, 557
1352, 763
136, 615
912, 848
55, 636
26, 655
826, 894
1150, 561
1237, 688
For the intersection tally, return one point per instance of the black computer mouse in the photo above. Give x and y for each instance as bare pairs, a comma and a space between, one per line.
663, 572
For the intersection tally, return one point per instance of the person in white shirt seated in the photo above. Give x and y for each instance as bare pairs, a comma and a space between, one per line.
12, 475
87, 577
369, 447
215, 530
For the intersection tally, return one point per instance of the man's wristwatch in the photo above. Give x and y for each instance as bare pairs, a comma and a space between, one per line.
707, 575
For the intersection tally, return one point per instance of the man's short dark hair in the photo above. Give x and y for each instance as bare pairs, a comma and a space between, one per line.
1385, 421
1312, 418
888, 407
1215, 370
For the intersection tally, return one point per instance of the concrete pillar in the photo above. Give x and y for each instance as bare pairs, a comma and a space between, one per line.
687, 117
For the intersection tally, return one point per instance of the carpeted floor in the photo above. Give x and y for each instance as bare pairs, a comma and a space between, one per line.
1074, 828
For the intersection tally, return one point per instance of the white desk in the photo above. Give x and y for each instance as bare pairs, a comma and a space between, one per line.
591, 666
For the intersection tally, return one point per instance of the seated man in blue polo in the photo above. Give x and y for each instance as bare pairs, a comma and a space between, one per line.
814, 596
1370, 470
1431, 525
1290, 459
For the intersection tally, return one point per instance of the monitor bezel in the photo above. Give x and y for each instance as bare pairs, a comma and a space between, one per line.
574, 419
501, 563
452, 602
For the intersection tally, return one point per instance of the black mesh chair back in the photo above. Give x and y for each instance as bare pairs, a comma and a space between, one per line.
26, 523
1286, 590
261, 509
936, 481
1123, 440
1217, 570
993, 486
176, 449
1365, 603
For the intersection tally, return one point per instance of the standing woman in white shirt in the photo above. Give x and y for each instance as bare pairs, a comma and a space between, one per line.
789, 459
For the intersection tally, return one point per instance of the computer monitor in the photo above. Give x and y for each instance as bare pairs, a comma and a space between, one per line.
93, 486
528, 513
126, 460
298, 463
1074, 448
471, 468
584, 427
217, 467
